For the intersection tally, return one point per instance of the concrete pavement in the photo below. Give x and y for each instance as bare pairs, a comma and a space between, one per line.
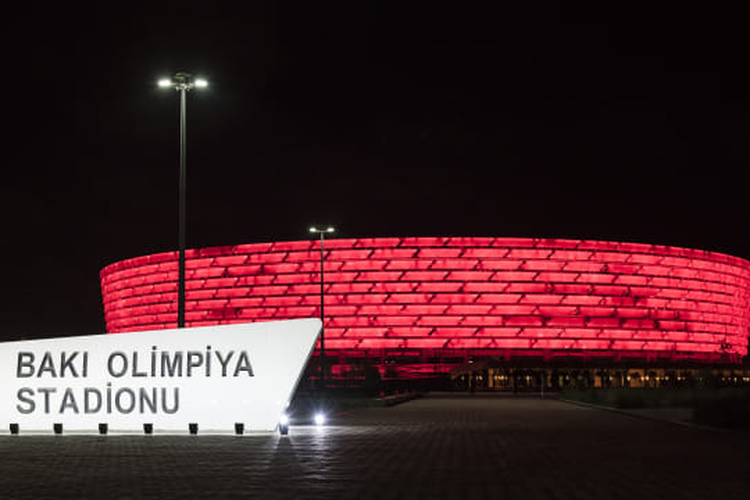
439, 446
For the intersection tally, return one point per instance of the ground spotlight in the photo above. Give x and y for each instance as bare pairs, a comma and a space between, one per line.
284, 425
320, 419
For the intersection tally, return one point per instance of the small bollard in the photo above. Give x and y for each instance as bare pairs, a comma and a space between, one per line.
14, 428
239, 428
103, 429
148, 429
57, 428
193, 429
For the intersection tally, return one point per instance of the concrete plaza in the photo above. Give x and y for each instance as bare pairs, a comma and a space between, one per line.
439, 446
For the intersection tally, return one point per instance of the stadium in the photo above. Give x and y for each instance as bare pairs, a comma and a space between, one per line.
490, 313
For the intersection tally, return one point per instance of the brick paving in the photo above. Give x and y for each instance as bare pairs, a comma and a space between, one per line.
440, 446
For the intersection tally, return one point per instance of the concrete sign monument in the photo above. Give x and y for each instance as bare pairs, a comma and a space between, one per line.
214, 376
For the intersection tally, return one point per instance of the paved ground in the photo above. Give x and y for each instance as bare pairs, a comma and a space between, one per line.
435, 447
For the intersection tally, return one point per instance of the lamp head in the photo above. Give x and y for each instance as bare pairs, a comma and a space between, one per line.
183, 81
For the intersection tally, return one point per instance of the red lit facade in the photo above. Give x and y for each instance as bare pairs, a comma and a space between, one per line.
431, 300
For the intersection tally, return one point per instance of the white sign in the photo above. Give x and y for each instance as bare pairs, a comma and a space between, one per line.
213, 376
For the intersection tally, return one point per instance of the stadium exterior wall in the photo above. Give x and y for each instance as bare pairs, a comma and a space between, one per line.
434, 297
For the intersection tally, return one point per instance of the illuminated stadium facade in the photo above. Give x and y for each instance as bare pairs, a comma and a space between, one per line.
401, 308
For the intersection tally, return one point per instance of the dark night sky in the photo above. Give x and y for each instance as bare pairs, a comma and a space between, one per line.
549, 121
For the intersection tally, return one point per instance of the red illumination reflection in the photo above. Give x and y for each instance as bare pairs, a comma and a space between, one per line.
563, 296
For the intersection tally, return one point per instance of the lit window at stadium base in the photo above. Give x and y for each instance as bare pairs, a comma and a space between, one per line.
421, 306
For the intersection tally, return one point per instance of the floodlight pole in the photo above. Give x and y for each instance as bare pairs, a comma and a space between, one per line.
322, 233
322, 305
183, 192
182, 82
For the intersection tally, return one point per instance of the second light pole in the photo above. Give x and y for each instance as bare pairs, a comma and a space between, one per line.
322, 232
182, 82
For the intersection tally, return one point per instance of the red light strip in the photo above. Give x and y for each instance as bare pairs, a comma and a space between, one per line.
455, 293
